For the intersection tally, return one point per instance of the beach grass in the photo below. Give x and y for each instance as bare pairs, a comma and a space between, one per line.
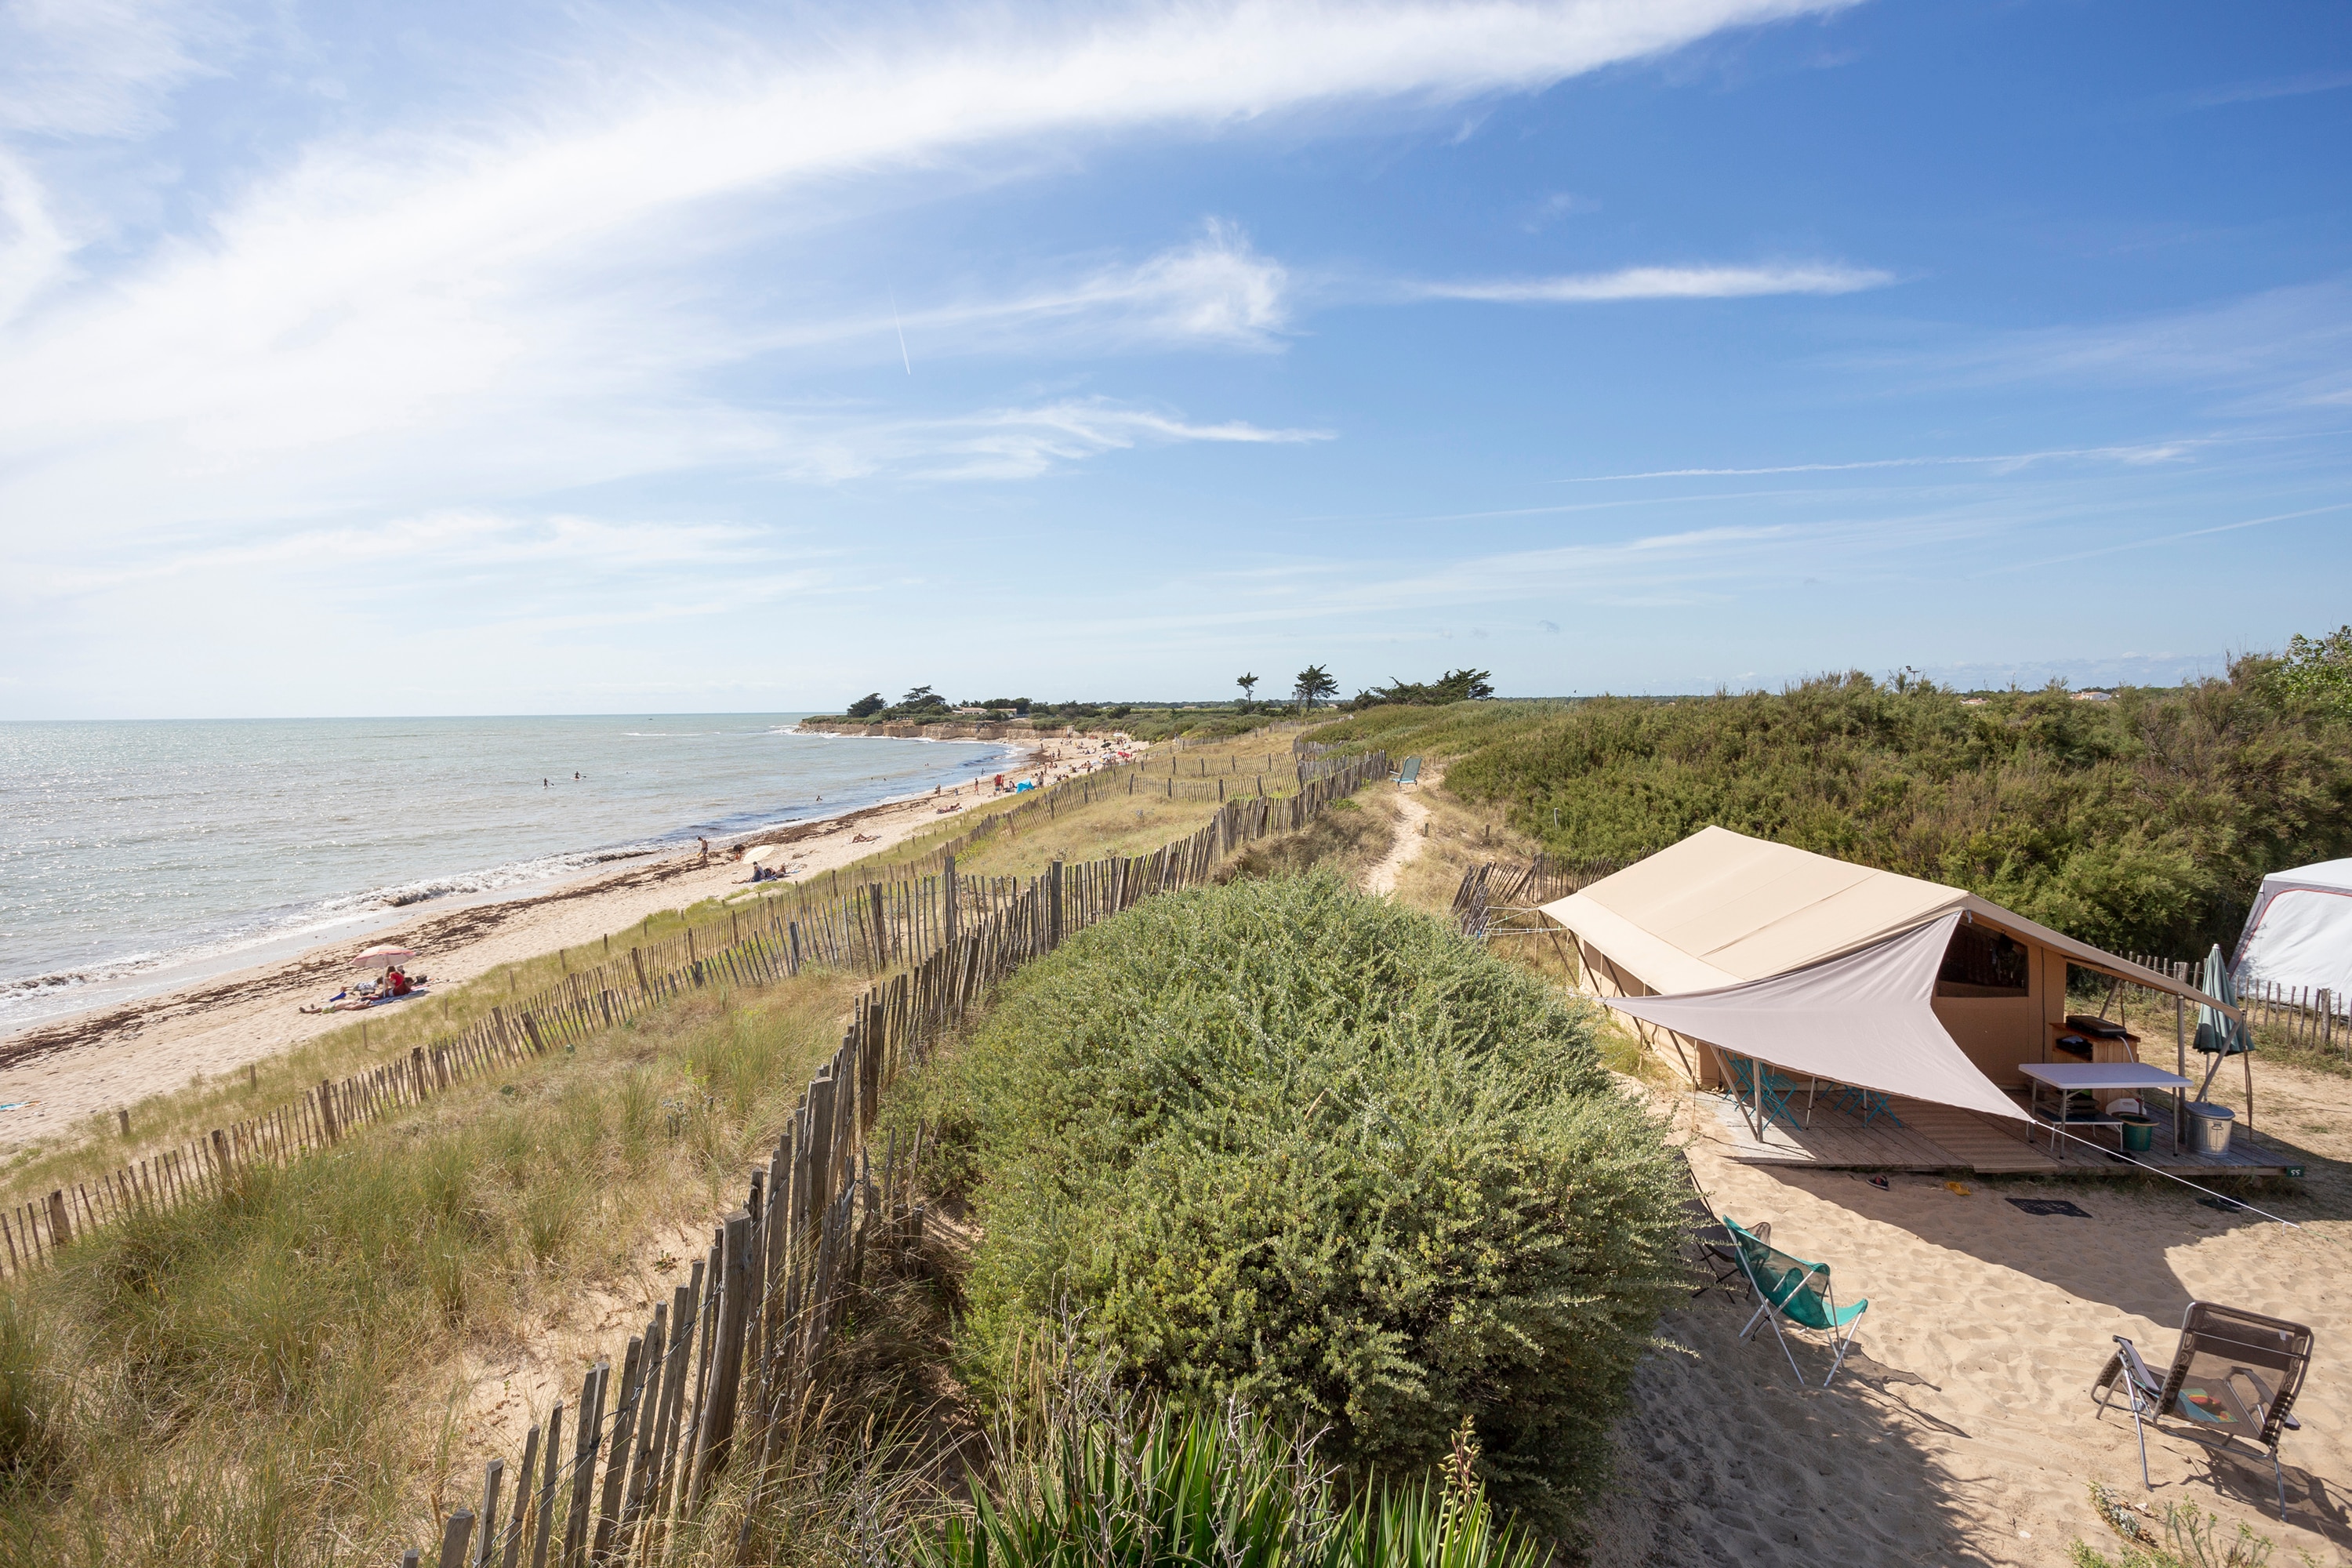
255, 1377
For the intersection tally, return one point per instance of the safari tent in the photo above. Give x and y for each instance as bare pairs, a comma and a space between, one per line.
2298, 936
1727, 943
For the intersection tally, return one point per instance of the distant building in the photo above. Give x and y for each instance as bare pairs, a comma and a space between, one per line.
1972, 702
2094, 697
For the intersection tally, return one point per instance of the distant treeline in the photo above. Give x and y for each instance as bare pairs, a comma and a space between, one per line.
2144, 823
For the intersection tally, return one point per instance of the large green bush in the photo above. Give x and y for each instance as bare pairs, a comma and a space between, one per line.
1282, 1142
2143, 824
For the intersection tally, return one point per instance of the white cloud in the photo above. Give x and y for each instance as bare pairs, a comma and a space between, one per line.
1015, 443
2282, 349
1665, 283
424, 316
99, 68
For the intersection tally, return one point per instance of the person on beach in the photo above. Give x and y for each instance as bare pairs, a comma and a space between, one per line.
705, 849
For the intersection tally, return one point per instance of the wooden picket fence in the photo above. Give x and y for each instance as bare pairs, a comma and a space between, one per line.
719, 1366
1495, 888
748, 1332
2304, 1017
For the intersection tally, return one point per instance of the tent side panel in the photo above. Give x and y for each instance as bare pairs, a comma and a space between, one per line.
1995, 1032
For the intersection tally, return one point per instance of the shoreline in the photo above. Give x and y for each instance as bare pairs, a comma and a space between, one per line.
114, 1055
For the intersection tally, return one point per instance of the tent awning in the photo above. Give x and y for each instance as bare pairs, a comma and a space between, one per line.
1865, 1018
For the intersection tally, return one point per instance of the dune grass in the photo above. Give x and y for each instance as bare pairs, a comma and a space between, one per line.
273, 1376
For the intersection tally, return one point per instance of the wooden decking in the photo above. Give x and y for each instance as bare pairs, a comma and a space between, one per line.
1927, 1137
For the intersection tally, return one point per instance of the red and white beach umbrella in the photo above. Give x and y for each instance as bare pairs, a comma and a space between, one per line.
383, 957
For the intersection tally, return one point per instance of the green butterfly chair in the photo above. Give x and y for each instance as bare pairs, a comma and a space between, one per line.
1791, 1288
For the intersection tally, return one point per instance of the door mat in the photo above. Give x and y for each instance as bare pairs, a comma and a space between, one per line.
2226, 1206
2052, 1205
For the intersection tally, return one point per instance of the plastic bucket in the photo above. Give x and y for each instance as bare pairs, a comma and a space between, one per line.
2208, 1127
2139, 1133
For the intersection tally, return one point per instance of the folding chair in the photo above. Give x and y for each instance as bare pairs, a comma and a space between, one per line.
1718, 1253
1791, 1288
2235, 1374
1865, 1103
1777, 1090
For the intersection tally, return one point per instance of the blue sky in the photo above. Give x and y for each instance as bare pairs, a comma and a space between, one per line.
584, 358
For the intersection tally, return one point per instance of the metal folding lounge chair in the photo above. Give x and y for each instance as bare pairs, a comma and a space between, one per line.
1799, 1291
2236, 1375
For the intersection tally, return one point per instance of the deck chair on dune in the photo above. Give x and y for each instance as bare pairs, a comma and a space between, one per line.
2236, 1375
1719, 1254
1791, 1288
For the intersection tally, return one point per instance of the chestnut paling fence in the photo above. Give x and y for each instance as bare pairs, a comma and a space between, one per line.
713, 1379
2311, 1018
1490, 895
868, 920
715, 1376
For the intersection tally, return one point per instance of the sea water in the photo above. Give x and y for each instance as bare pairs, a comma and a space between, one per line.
138, 856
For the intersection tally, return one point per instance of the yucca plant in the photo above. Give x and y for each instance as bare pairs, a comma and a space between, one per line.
1133, 1487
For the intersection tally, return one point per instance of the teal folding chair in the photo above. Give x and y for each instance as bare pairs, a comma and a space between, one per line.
1790, 1288
1865, 1103
1777, 1090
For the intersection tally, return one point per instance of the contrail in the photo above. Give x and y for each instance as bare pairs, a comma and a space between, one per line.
902, 333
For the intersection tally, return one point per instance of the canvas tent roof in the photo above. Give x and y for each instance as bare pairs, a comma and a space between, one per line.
1813, 964
2299, 933
1720, 907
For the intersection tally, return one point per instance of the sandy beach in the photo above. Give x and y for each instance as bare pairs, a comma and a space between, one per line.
92, 1062
1962, 1429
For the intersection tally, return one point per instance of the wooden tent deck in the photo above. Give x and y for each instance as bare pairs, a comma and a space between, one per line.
1944, 1138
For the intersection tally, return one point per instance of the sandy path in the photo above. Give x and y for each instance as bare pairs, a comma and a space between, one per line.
93, 1062
1962, 1430
1411, 816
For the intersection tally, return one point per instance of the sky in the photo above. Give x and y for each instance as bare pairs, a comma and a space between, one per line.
434, 358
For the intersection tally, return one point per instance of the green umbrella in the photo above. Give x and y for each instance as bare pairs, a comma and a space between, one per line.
2218, 1035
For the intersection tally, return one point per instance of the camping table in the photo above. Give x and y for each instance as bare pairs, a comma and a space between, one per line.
2067, 1077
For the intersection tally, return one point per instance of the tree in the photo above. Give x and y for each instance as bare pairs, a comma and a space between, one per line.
2320, 668
922, 697
1248, 683
1315, 682
1454, 685
866, 706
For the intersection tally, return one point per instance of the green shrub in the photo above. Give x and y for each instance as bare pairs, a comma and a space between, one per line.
1280, 1143
2143, 824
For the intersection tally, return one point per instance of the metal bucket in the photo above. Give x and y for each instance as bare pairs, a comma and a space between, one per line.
2208, 1127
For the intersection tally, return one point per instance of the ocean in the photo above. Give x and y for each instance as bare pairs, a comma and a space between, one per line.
139, 856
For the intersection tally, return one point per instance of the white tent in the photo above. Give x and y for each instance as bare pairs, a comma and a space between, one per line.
2299, 933
1823, 967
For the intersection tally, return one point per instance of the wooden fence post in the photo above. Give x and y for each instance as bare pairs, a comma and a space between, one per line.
61, 1218
327, 1111
1053, 904
726, 1356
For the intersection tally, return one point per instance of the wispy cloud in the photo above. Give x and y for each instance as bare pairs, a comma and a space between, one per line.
2159, 452
1665, 283
2279, 349
1017, 443
99, 67
555, 292
2275, 87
